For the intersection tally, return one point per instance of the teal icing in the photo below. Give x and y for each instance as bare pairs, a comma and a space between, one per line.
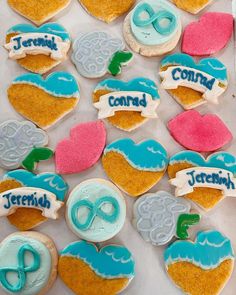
221, 160
111, 261
49, 28
211, 66
138, 84
51, 182
210, 249
147, 155
59, 84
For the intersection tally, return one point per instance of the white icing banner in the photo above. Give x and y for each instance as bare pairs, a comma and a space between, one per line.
127, 101
177, 76
29, 197
186, 180
37, 43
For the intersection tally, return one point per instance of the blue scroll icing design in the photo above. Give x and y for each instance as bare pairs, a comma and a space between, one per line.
211, 66
51, 182
60, 84
138, 84
209, 251
110, 262
221, 160
49, 28
148, 155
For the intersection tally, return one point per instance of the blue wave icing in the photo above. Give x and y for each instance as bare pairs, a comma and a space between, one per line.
147, 155
221, 160
49, 28
138, 84
209, 251
211, 66
59, 84
110, 262
49, 181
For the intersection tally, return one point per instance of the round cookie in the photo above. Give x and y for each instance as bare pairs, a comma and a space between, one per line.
85, 269
152, 28
96, 210
203, 266
135, 167
28, 263
38, 49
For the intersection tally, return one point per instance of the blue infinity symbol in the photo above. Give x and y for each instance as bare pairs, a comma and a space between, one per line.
155, 19
95, 209
21, 269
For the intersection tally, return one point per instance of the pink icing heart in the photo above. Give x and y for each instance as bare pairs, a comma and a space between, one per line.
82, 150
199, 133
209, 35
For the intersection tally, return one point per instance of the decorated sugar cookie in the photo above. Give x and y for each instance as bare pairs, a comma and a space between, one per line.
203, 266
28, 264
96, 210
126, 105
204, 181
213, 30
38, 11
28, 199
85, 269
195, 132
44, 101
135, 167
97, 53
22, 144
152, 28
160, 216
193, 84
82, 149
105, 10
192, 6
38, 49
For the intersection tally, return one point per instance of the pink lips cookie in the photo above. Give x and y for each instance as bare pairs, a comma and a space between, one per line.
209, 35
199, 133
82, 150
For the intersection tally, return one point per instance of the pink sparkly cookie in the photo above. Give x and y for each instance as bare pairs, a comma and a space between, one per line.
199, 133
213, 30
82, 150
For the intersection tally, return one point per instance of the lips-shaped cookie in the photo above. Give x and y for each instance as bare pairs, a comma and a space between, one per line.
105, 10
44, 102
38, 49
135, 168
192, 6
38, 11
214, 29
126, 105
85, 269
198, 133
48, 191
204, 181
203, 266
82, 150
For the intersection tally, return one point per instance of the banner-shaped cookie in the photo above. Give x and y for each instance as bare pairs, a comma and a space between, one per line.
192, 6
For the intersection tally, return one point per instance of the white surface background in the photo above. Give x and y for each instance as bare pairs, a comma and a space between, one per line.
151, 278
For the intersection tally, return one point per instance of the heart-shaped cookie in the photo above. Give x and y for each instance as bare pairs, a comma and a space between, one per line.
44, 102
204, 181
85, 269
206, 133
214, 30
82, 150
105, 10
38, 11
192, 6
126, 105
135, 168
203, 266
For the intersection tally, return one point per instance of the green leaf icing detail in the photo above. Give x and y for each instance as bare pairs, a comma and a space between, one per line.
35, 156
183, 224
119, 59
